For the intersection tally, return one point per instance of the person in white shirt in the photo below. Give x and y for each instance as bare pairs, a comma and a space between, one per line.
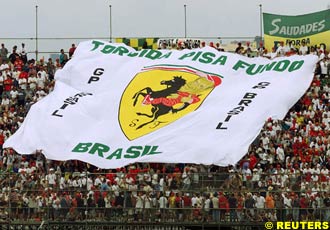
280, 154
265, 141
13, 93
51, 178
41, 79
32, 80
89, 183
5, 102
260, 201
22, 82
324, 67
303, 50
98, 180
63, 184
287, 201
4, 66
139, 205
281, 51
288, 47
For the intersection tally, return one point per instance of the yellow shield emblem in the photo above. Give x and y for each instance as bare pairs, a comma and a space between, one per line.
160, 95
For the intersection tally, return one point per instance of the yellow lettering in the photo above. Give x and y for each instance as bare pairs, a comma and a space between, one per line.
295, 225
279, 225
317, 225
310, 225
303, 224
325, 225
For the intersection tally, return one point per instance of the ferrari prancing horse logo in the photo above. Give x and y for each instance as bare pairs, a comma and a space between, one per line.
159, 95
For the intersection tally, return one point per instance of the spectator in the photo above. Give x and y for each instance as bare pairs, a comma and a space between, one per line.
4, 52
63, 58
290, 161
23, 54
71, 50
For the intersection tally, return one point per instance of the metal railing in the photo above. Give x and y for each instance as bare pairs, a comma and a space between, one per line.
37, 201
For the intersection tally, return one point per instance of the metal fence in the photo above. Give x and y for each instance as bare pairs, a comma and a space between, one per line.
128, 226
37, 204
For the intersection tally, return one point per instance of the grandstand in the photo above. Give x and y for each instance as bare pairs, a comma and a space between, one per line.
283, 177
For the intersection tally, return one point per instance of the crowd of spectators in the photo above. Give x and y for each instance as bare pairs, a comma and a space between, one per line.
284, 175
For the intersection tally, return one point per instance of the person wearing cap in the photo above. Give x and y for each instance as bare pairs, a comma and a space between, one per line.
51, 178
256, 176
249, 204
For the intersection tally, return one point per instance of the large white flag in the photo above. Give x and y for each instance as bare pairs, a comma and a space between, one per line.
113, 106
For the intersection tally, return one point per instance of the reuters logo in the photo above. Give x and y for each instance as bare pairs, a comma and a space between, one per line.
297, 225
269, 225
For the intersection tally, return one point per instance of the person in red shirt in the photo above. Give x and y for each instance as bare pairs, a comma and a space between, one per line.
186, 205
240, 206
18, 64
223, 205
8, 84
303, 203
71, 50
253, 161
23, 74
2, 140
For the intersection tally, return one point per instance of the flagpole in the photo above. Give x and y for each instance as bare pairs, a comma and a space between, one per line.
110, 22
260, 8
36, 32
185, 21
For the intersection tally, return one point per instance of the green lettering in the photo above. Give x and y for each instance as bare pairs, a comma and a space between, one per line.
296, 65
116, 154
149, 150
197, 55
251, 67
240, 64
207, 57
121, 50
107, 49
282, 65
153, 54
166, 55
142, 53
133, 152
153, 150
268, 66
146, 150
82, 147
221, 60
99, 148
96, 44
186, 55
134, 54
